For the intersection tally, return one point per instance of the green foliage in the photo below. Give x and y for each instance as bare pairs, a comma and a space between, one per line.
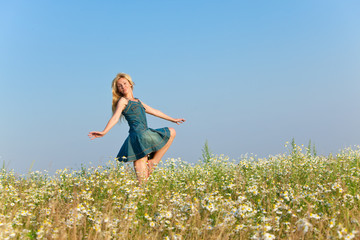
314, 150
308, 149
289, 196
206, 153
311, 150
293, 146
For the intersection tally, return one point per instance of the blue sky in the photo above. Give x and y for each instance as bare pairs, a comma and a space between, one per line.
246, 75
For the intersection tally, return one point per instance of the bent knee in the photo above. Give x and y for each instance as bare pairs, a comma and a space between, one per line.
172, 132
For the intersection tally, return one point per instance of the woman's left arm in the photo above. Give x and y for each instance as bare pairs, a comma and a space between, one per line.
162, 115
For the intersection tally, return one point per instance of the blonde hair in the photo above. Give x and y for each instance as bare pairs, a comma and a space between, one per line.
115, 91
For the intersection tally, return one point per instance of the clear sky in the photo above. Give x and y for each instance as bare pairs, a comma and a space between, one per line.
246, 75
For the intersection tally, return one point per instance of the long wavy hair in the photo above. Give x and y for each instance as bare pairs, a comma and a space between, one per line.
115, 91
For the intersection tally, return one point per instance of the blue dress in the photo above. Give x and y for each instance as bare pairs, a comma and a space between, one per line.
142, 141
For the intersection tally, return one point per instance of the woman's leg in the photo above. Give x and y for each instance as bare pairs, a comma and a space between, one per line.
141, 169
160, 153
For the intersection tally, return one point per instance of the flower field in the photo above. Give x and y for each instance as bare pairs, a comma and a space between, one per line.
289, 196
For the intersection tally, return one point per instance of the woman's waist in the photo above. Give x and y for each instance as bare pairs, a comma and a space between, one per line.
138, 129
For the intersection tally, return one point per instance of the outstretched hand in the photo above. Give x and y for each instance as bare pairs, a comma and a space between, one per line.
178, 120
95, 134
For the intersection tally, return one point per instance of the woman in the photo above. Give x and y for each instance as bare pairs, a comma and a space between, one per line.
144, 146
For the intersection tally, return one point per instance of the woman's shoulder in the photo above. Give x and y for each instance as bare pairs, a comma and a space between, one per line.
123, 101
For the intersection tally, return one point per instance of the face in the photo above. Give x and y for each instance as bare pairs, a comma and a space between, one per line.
123, 86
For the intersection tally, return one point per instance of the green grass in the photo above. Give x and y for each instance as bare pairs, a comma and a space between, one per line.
291, 196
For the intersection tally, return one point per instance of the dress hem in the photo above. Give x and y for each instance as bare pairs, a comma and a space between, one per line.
148, 151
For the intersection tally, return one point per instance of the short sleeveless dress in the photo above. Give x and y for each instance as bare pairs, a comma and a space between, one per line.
142, 141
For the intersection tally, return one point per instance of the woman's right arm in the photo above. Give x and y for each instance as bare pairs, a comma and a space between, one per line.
113, 120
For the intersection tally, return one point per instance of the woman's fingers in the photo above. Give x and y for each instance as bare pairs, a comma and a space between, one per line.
179, 120
93, 135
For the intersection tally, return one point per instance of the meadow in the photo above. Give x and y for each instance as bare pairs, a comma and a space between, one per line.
295, 195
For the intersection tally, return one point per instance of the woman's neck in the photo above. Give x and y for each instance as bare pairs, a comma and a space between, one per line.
129, 96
